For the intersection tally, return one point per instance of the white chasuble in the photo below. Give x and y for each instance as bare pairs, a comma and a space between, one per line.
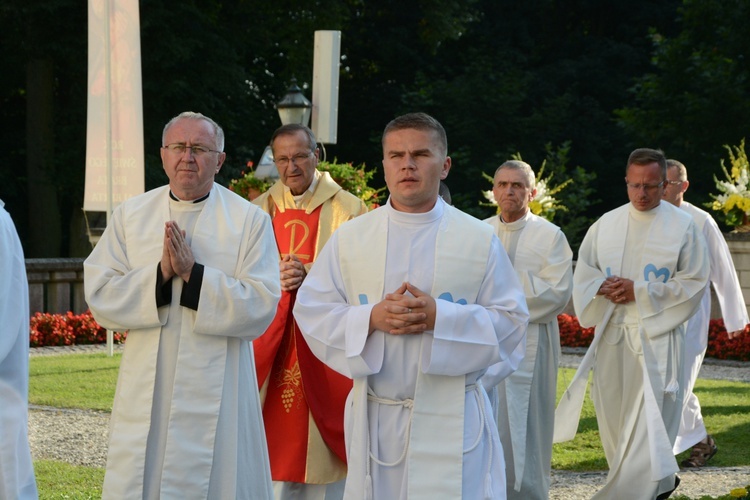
671, 271
186, 400
446, 447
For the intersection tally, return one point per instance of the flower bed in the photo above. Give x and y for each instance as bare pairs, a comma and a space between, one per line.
46, 329
69, 329
719, 345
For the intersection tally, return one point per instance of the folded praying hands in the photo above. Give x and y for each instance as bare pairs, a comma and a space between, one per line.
407, 310
618, 290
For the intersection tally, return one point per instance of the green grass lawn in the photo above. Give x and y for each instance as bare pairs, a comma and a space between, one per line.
726, 412
87, 381
60, 480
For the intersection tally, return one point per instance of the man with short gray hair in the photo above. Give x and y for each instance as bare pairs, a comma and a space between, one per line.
525, 406
189, 269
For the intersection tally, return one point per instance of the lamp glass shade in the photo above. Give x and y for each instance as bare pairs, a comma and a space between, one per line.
294, 106
299, 115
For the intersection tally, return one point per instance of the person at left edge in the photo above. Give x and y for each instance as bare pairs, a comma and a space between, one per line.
303, 400
16, 469
189, 269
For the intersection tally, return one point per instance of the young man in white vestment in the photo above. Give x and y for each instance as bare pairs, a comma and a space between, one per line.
728, 292
640, 274
414, 301
16, 468
303, 400
525, 400
190, 270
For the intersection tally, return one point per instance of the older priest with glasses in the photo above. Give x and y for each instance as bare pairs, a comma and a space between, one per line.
189, 269
303, 400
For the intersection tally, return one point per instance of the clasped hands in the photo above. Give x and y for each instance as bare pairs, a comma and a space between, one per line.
176, 257
618, 290
406, 311
291, 272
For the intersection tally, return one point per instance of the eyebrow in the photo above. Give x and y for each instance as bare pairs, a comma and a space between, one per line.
413, 153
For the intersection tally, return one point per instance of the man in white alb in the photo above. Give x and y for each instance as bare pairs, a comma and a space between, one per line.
190, 270
640, 274
542, 258
727, 288
16, 469
414, 301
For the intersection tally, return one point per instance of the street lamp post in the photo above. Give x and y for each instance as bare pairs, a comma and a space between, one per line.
293, 108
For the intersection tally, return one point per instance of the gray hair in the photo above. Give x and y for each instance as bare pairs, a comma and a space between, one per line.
521, 166
192, 115
292, 129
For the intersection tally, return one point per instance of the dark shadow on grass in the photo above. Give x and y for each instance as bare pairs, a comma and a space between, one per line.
64, 371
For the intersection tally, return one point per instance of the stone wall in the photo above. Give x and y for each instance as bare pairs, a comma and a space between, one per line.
739, 246
55, 285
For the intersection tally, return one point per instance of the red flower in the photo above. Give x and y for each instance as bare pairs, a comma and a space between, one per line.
46, 329
719, 345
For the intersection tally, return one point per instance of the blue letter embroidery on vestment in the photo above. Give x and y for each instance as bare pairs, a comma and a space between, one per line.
447, 296
662, 273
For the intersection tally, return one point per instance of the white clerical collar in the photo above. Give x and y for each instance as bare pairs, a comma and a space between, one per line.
432, 215
516, 225
310, 189
644, 215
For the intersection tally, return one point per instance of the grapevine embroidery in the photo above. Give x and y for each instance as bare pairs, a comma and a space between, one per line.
291, 380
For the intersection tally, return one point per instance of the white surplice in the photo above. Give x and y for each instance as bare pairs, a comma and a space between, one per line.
638, 348
435, 373
728, 292
542, 258
186, 420
16, 469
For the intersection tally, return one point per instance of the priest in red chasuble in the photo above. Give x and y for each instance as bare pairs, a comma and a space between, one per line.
303, 400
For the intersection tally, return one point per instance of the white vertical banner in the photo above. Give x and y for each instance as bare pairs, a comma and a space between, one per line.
114, 131
325, 88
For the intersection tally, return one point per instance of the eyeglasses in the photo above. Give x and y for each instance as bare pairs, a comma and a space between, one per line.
283, 161
647, 187
179, 148
674, 183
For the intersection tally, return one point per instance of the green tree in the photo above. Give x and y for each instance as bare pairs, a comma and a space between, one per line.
696, 95
527, 74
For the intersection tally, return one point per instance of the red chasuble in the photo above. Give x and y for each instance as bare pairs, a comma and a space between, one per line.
299, 385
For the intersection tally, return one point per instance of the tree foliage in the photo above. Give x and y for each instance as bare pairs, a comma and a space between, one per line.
696, 96
501, 75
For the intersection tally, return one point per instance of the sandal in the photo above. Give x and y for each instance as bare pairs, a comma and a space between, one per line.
700, 454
